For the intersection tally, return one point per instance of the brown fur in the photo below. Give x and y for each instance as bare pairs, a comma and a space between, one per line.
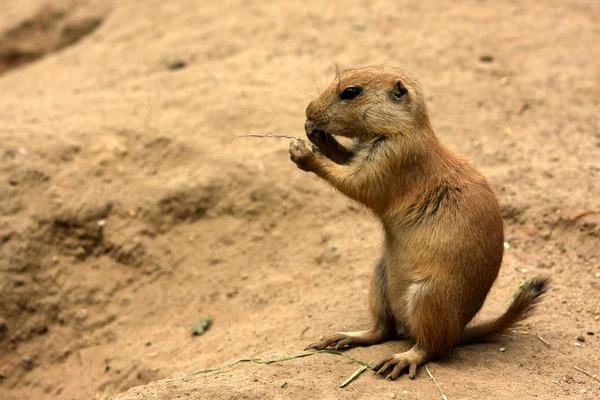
443, 229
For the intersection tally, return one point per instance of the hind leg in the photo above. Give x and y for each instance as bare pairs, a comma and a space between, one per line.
434, 321
383, 324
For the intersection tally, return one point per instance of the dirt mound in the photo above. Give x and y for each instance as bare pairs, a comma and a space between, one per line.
65, 268
52, 27
129, 208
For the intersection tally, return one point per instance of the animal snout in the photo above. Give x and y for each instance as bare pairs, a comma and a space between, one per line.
310, 110
309, 126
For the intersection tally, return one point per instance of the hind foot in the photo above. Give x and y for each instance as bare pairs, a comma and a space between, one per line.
411, 359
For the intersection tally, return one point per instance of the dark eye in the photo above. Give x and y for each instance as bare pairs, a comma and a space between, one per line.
350, 93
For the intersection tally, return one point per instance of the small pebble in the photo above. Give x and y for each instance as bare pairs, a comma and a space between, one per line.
283, 384
506, 245
502, 349
81, 314
486, 58
577, 344
524, 107
582, 391
3, 328
580, 338
555, 381
598, 275
27, 362
176, 64
590, 333
392, 396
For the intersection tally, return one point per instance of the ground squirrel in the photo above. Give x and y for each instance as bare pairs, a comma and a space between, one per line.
443, 229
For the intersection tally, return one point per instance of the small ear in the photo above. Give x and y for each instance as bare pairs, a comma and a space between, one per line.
400, 90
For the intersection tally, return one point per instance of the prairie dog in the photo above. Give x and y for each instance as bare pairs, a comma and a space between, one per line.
443, 231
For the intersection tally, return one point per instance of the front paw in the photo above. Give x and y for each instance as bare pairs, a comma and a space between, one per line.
337, 341
302, 155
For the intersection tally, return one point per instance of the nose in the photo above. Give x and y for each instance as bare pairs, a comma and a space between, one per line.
309, 126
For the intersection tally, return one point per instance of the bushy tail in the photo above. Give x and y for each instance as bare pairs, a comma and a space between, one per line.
522, 305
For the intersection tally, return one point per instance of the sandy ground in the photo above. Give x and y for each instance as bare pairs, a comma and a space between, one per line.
129, 209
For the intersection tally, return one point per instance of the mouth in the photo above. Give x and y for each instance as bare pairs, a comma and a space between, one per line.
313, 130
314, 134
310, 127
318, 136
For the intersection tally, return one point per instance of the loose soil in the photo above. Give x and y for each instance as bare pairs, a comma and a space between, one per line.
129, 209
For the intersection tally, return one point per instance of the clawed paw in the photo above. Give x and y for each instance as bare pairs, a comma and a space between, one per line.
301, 155
396, 364
338, 341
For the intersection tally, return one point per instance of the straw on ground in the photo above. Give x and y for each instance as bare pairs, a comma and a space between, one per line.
594, 377
436, 384
534, 334
364, 365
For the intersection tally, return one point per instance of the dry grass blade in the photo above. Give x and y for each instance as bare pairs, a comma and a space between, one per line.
436, 384
594, 377
263, 361
337, 353
270, 135
355, 375
534, 334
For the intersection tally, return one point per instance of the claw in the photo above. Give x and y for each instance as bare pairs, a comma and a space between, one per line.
412, 371
400, 362
378, 366
343, 343
385, 368
397, 370
314, 346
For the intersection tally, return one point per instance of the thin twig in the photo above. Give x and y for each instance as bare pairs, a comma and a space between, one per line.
262, 361
543, 340
594, 377
436, 384
536, 335
271, 135
581, 214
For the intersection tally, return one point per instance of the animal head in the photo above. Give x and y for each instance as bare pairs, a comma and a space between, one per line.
368, 103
